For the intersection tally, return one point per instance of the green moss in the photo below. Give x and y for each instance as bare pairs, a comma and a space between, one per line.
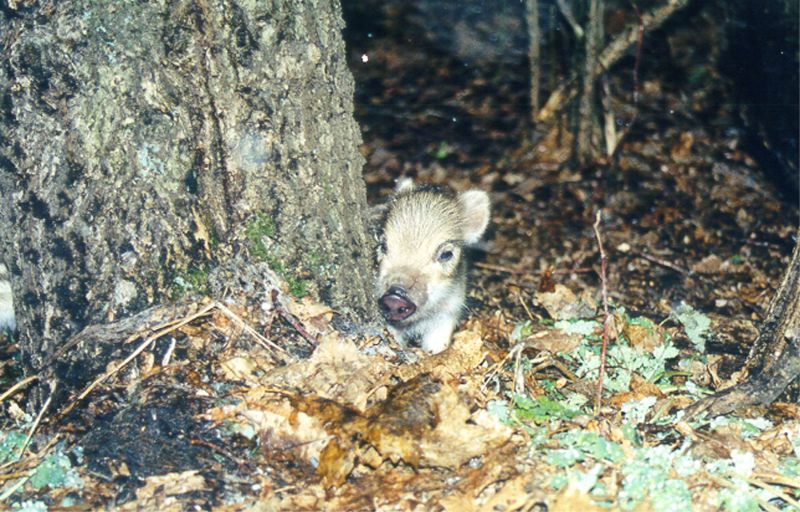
213, 240
256, 231
274, 263
297, 287
191, 280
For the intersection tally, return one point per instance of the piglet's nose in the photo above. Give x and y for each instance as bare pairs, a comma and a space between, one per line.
395, 306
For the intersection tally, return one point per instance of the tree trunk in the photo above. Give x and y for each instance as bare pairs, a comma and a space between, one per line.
774, 360
534, 54
587, 107
144, 144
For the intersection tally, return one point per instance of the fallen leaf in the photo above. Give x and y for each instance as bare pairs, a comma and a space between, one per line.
314, 316
161, 492
336, 370
239, 368
571, 499
646, 337
711, 264
427, 423
563, 304
287, 432
512, 496
554, 341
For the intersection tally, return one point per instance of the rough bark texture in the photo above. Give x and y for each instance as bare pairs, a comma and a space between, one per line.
144, 143
534, 52
587, 108
774, 360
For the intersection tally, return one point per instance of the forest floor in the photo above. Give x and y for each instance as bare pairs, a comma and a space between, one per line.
214, 415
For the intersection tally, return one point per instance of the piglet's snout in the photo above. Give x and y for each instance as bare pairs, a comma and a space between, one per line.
395, 305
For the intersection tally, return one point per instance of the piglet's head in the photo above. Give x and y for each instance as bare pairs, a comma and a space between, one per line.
421, 255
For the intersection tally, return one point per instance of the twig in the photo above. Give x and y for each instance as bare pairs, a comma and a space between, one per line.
609, 120
141, 348
519, 379
566, 11
552, 361
53, 385
639, 44
528, 311
663, 263
31, 460
168, 353
167, 328
585, 137
222, 451
727, 483
16, 474
606, 316
291, 319
778, 494
648, 21
11, 490
779, 479
495, 369
522, 271
500, 268
613, 52
120, 328
13, 389
264, 342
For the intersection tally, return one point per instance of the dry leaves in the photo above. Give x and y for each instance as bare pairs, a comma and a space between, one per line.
317, 410
563, 304
162, 492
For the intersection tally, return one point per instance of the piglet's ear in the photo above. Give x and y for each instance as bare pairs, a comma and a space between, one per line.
403, 185
475, 206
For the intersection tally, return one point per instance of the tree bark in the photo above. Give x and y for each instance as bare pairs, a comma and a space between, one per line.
144, 144
774, 360
534, 54
587, 107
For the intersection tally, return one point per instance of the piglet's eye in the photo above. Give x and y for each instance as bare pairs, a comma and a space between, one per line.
446, 256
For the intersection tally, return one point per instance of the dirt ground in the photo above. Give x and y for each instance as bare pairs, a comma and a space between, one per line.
225, 409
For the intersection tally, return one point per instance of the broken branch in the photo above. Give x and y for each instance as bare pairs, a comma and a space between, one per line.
613, 52
606, 316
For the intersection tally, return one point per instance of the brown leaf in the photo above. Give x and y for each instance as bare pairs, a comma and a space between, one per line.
161, 492
239, 368
335, 463
336, 370
640, 388
314, 316
563, 304
287, 431
427, 423
571, 499
464, 354
711, 264
555, 341
648, 338
512, 496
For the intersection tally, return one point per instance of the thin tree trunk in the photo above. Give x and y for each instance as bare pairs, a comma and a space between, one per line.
611, 53
587, 110
534, 54
145, 144
774, 360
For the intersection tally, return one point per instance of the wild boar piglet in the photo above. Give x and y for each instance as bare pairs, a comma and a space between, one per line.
423, 272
